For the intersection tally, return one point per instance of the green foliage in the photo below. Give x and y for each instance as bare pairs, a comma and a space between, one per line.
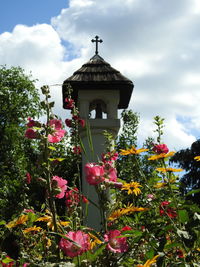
190, 181
18, 99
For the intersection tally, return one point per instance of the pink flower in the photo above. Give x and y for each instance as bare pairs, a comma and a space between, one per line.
28, 210
56, 136
150, 197
112, 174
159, 149
28, 178
94, 173
116, 245
73, 197
57, 124
69, 103
77, 150
31, 123
82, 122
109, 157
31, 134
72, 250
68, 122
165, 210
75, 117
126, 228
61, 184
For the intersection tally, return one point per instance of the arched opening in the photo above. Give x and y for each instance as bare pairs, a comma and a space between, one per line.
97, 109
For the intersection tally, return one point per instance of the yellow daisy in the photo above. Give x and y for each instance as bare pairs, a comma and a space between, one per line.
197, 158
21, 220
161, 156
124, 211
32, 229
49, 220
132, 150
149, 262
132, 187
164, 170
94, 241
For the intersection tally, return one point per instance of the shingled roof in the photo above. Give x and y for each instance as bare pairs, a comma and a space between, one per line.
97, 74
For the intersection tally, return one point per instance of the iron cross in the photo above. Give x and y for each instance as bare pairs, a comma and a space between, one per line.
96, 41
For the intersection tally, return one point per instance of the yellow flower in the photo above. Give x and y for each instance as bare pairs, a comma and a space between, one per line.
161, 156
149, 262
160, 185
197, 158
64, 223
164, 170
21, 220
132, 187
132, 150
48, 219
32, 229
94, 241
124, 211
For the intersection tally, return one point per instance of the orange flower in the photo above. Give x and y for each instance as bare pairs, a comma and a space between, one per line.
124, 211
197, 158
164, 170
132, 150
132, 187
32, 229
21, 220
161, 156
149, 262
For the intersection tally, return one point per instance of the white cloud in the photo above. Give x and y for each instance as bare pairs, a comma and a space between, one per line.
154, 43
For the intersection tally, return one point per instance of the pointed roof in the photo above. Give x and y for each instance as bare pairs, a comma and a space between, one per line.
97, 74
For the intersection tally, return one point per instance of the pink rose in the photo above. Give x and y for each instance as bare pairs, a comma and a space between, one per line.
94, 173
115, 244
159, 149
61, 184
72, 250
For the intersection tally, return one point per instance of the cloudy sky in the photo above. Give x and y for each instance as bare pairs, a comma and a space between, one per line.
154, 43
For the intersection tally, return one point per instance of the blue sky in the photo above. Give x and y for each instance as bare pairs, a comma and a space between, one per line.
13, 12
154, 43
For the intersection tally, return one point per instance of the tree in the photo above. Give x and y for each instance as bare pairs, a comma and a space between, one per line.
190, 182
18, 99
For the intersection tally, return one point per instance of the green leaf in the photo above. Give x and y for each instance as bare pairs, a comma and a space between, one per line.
172, 245
2, 222
183, 216
193, 192
131, 233
7, 260
150, 254
52, 148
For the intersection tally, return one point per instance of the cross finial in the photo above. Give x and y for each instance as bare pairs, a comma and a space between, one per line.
97, 40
